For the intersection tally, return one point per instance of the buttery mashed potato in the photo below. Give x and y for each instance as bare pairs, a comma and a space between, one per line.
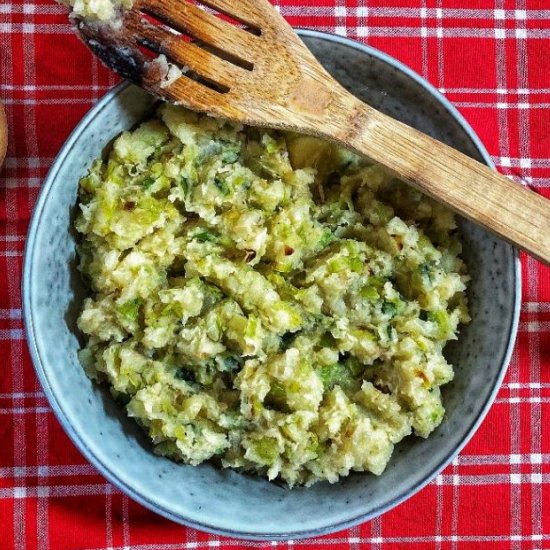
101, 10
265, 300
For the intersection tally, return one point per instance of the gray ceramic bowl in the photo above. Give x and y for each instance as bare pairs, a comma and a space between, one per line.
227, 502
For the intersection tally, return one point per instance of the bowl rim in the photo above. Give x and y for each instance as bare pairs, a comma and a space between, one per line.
102, 468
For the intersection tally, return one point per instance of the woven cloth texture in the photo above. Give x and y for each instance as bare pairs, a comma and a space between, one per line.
491, 58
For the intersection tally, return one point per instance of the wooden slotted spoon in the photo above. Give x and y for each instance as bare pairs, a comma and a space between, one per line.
260, 73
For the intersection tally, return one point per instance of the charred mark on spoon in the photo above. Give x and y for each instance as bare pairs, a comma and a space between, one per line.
114, 49
120, 53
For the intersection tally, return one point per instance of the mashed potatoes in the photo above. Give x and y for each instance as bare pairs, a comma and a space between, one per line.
266, 301
101, 10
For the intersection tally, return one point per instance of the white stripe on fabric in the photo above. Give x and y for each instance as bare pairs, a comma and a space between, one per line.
21, 395
46, 470
15, 183
501, 105
326, 542
16, 312
31, 162
376, 31
404, 12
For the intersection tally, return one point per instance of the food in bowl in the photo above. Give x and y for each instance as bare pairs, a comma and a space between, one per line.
264, 300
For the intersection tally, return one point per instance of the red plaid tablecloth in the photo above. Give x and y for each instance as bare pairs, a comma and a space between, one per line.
492, 60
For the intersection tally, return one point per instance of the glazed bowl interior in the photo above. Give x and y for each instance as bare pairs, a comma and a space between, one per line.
225, 501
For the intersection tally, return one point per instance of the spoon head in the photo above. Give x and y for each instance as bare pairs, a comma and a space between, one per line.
246, 65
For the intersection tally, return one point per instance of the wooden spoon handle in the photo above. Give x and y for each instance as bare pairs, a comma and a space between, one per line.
513, 212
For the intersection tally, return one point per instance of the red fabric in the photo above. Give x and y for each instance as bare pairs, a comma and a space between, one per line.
492, 60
